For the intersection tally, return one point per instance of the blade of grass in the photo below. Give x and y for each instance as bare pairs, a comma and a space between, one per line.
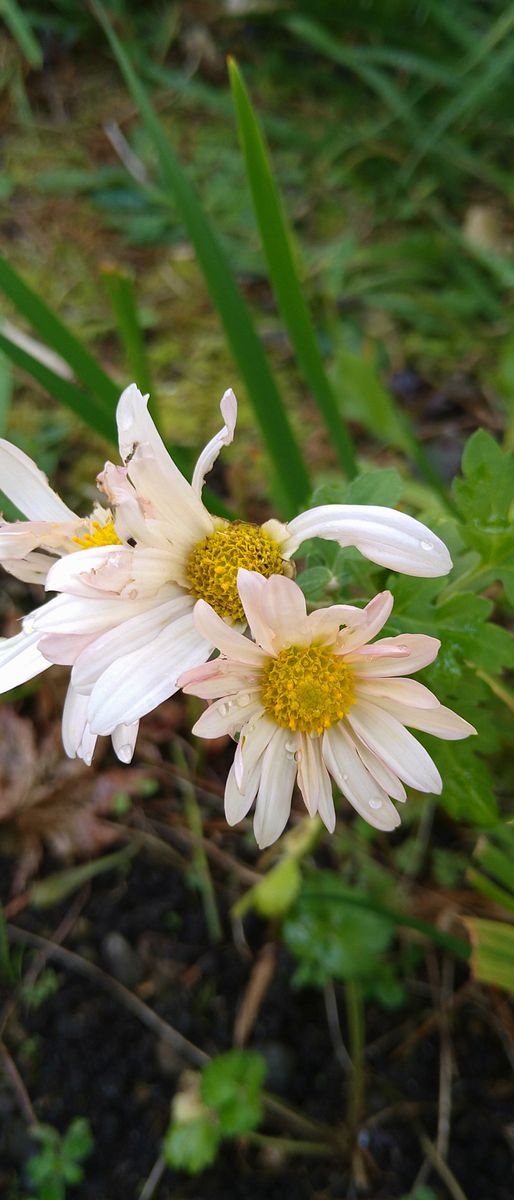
292, 481
121, 293
277, 240
18, 25
52, 331
5, 393
85, 405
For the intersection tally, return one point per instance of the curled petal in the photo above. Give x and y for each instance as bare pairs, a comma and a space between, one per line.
225, 436
387, 537
28, 488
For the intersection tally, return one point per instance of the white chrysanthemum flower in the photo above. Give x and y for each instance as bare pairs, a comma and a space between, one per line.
312, 698
28, 549
124, 618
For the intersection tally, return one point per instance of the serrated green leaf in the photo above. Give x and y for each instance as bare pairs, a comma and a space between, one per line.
232, 1085
191, 1145
331, 939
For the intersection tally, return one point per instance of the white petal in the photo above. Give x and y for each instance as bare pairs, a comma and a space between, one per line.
255, 737
225, 436
237, 803
20, 660
386, 778
138, 681
375, 615
404, 691
441, 721
284, 610
400, 751
28, 488
74, 614
400, 655
325, 623
355, 781
113, 570
215, 685
226, 639
252, 587
63, 649
314, 781
226, 717
275, 790
78, 741
390, 538
124, 741
32, 569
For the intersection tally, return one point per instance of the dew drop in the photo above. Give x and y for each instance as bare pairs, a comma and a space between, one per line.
427, 545
223, 710
345, 779
298, 756
374, 802
243, 699
290, 747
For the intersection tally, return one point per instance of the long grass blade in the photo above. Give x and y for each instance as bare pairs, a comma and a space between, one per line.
84, 404
121, 293
20, 28
292, 481
52, 331
277, 240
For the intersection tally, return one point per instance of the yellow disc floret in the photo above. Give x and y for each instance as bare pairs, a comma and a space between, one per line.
214, 563
98, 535
307, 688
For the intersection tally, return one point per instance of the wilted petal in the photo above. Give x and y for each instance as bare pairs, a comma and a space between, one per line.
225, 436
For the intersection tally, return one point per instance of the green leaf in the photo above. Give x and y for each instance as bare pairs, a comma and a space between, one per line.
232, 1085
468, 786
292, 483
282, 257
485, 494
191, 1145
492, 958
330, 938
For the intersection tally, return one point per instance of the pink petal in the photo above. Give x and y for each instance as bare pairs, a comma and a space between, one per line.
387, 657
375, 616
252, 588
226, 639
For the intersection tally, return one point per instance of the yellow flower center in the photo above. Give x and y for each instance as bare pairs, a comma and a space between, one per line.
307, 688
214, 563
99, 535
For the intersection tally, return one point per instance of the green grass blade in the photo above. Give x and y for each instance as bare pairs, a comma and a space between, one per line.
85, 405
52, 331
292, 481
121, 293
492, 959
277, 241
19, 27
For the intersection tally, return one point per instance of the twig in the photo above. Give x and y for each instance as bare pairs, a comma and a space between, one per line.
442, 1168
288, 1146
151, 1019
18, 1086
154, 1179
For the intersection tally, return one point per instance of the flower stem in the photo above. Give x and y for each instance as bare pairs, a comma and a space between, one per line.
200, 862
355, 1017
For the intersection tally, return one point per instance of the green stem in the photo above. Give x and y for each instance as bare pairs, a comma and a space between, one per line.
355, 1017
201, 869
290, 1145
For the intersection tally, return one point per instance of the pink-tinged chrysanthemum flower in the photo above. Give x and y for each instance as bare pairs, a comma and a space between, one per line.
28, 549
313, 697
124, 616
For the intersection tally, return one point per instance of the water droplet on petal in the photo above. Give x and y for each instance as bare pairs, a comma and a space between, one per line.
345, 779
375, 802
243, 699
298, 756
290, 747
427, 545
223, 710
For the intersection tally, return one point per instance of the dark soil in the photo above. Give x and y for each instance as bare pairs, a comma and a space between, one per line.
89, 1056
